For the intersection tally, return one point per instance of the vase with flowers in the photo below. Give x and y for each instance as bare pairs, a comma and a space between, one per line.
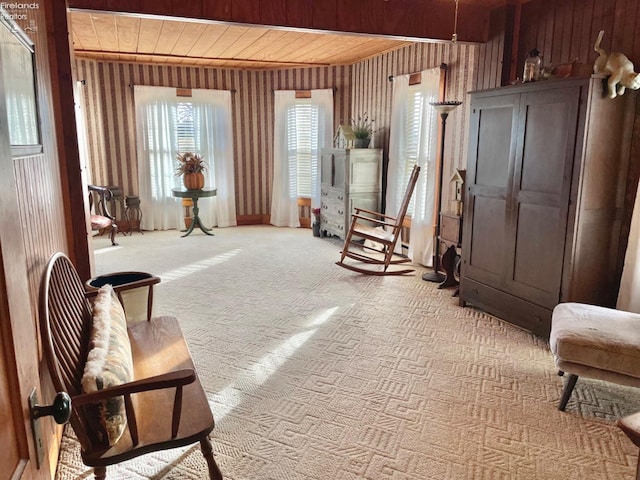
362, 130
191, 168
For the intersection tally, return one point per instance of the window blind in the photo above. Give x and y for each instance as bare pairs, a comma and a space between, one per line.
302, 145
186, 128
413, 133
419, 139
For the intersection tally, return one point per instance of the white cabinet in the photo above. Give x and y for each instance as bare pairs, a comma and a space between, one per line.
350, 178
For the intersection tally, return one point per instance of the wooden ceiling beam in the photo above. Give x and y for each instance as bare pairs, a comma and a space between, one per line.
415, 20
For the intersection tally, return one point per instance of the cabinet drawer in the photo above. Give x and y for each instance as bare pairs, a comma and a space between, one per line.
332, 193
333, 226
508, 307
450, 228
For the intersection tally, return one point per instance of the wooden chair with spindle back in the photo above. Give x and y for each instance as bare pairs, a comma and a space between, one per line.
169, 408
101, 217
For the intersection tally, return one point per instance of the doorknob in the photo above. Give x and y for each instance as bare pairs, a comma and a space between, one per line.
60, 409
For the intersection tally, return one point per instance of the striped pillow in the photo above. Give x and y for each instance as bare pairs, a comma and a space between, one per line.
108, 364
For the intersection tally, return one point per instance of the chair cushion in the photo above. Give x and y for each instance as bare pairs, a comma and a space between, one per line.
378, 232
98, 222
108, 364
597, 337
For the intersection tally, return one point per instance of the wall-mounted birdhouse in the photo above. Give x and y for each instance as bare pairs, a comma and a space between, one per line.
344, 137
456, 184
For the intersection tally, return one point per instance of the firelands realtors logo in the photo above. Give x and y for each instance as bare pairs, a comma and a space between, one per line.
18, 12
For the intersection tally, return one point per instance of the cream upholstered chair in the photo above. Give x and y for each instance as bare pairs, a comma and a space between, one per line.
595, 342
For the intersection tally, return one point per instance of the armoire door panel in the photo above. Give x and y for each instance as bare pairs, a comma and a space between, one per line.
544, 151
487, 249
326, 168
365, 172
339, 170
537, 264
494, 146
537, 226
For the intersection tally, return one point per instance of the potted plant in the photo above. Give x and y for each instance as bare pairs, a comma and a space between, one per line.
190, 167
362, 130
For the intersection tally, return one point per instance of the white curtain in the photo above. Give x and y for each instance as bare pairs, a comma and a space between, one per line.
628, 298
157, 147
81, 127
423, 148
214, 142
284, 201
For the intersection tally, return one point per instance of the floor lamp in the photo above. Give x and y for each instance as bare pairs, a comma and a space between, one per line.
443, 108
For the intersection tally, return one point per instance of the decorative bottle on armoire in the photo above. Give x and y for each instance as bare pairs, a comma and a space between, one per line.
532, 67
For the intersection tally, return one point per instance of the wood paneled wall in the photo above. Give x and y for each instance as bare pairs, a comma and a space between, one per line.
432, 19
111, 119
562, 31
566, 31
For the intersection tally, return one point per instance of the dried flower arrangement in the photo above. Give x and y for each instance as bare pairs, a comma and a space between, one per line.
190, 163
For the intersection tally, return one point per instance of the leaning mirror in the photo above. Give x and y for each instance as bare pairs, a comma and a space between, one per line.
17, 60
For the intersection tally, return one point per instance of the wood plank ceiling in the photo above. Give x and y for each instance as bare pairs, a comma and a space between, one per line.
132, 35
128, 38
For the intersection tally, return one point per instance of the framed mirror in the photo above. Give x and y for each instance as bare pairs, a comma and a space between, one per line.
18, 75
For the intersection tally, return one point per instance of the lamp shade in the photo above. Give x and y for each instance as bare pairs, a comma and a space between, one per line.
445, 107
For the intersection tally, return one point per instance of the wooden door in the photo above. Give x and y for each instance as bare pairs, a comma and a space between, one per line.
18, 348
492, 145
539, 203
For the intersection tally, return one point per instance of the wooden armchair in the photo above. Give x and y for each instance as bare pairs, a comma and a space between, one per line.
101, 218
365, 225
169, 408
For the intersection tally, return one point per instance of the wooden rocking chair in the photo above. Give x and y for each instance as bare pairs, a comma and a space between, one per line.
386, 239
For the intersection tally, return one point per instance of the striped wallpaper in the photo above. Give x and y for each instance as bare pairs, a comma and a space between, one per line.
363, 87
372, 93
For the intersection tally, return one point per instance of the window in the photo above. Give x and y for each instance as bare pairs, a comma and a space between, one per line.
185, 128
303, 126
420, 140
18, 75
413, 140
169, 124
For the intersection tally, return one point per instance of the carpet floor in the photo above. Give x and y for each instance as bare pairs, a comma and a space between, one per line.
314, 372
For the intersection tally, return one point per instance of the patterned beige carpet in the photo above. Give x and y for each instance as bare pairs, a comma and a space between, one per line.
315, 372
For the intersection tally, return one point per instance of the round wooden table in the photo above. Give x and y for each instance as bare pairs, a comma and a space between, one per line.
194, 195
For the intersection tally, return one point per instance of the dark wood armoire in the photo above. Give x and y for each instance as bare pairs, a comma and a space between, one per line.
546, 179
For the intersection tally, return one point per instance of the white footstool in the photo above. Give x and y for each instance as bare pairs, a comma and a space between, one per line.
596, 342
